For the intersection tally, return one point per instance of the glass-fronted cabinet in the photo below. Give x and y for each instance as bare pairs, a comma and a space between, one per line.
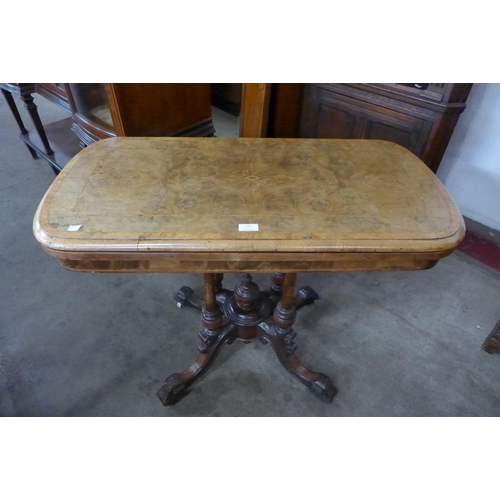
91, 102
102, 110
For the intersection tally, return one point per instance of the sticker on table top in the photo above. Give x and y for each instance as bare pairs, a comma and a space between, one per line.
74, 227
248, 227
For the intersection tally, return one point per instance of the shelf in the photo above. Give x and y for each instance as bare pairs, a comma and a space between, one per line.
62, 140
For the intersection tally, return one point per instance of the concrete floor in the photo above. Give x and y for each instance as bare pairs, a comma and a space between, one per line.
395, 344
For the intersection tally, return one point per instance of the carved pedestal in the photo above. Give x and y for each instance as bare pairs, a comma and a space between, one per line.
246, 314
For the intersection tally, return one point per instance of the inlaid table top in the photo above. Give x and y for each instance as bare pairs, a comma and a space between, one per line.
214, 199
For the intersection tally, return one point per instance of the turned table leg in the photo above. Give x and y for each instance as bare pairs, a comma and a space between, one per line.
17, 116
304, 297
32, 110
213, 338
280, 335
185, 296
245, 314
175, 387
277, 280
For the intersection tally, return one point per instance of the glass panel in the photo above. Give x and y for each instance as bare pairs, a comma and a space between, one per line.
92, 103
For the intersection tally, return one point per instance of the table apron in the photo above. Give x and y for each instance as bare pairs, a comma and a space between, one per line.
219, 262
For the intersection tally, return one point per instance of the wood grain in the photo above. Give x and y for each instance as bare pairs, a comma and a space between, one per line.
215, 262
255, 99
160, 109
285, 110
164, 204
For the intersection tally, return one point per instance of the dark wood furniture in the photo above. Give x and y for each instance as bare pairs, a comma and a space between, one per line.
420, 119
492, 342
54, 141
282, 206
102, 110
54, 92
255, 100
285, 110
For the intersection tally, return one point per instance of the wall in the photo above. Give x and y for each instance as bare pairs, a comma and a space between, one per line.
470, 169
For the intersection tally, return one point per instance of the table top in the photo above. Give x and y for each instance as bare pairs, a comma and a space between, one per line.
161, 195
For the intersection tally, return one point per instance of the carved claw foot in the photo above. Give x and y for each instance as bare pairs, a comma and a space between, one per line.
304, 297
284, 346
323, 388
176, 385
172, 390
185, 297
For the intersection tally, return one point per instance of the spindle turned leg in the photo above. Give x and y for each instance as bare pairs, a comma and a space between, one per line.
280, 335
175, 386
33, 111
17, 116
213, 337
246, 314
185, 296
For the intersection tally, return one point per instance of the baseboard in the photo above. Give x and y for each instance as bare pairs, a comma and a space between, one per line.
482, 243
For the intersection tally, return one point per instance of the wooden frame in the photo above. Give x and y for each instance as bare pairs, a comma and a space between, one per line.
255, 98
54, 94
115, 110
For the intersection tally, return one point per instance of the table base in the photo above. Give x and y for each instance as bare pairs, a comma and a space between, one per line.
246, 314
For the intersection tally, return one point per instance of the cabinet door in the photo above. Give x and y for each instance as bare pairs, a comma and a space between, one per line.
331, 115
91, 102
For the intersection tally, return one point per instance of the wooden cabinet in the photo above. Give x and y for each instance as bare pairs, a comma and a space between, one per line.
54, 92
102, 110
419, 118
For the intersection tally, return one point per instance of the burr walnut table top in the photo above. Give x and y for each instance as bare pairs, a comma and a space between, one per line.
176, 204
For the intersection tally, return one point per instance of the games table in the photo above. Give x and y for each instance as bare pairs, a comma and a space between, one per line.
214, 206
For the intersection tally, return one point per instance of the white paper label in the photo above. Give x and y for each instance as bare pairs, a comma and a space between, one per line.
248, 227
74, 227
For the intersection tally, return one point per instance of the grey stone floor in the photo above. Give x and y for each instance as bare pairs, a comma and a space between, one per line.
395, 344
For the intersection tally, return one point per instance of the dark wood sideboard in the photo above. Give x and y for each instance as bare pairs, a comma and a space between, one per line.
420, 119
